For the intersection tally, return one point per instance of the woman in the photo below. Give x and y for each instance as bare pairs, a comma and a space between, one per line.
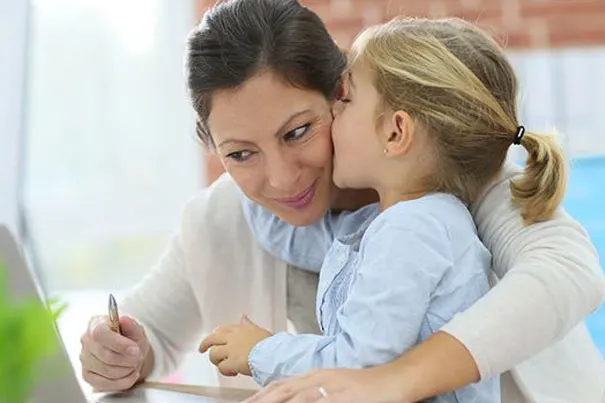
262, 76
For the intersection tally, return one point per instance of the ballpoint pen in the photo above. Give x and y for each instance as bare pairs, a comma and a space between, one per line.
114, 317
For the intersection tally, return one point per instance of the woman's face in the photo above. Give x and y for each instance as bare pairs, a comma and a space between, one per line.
274, 140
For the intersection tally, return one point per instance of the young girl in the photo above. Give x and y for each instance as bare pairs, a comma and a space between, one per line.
426, 117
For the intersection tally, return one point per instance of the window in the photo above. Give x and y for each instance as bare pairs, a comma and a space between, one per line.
110, 154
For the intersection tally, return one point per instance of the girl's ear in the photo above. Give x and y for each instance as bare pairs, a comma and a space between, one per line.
398, 133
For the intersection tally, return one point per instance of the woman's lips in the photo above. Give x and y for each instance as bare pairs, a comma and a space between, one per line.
301, 200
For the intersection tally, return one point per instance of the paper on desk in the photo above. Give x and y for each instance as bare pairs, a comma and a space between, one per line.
231, 394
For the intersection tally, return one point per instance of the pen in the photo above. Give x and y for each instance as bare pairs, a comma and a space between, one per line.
114, 317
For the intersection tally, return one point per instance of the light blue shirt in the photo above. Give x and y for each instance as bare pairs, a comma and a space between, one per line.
387, 282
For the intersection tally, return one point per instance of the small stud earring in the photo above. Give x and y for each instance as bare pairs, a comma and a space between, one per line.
385, 151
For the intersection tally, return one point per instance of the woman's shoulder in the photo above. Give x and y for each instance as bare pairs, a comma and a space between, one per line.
214, 210
497, 193
219, 197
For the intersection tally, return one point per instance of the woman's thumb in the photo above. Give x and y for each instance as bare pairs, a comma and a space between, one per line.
131, 329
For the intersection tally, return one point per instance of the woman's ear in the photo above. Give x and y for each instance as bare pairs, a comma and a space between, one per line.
398, 134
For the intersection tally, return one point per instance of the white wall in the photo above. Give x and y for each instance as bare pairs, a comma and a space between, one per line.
13, 49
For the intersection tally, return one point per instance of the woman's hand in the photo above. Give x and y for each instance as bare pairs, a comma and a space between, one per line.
230, 346
112, 362
372, 385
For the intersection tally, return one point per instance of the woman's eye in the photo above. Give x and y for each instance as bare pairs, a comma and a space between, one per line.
239, 156
296, 133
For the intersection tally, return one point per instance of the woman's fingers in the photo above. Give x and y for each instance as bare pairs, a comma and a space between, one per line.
102, 384
281, 391
112, 372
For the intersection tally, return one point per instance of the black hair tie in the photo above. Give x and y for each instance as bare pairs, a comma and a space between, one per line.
519, 135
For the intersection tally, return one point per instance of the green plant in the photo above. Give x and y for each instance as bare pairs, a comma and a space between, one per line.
26, 338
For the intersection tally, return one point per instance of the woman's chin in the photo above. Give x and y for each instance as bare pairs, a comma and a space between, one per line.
302, 218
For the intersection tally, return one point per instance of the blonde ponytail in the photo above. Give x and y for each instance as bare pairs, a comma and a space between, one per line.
456, 81
541, 189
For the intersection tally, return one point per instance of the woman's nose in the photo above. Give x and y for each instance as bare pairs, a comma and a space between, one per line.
283, 174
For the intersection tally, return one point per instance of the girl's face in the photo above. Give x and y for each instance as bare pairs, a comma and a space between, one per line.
357, 148
274, 140
378, 147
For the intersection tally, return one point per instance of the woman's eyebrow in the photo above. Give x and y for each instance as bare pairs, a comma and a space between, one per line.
277, 133
295, 115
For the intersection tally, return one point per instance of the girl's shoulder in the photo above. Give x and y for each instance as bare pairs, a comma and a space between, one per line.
434, 213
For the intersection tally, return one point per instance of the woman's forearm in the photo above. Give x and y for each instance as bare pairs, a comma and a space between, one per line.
438, 365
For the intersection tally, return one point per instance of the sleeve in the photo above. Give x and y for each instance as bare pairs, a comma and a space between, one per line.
383, 313
550, 281
303, 247
163, 303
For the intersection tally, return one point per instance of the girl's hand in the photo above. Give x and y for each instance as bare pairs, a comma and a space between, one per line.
230, 346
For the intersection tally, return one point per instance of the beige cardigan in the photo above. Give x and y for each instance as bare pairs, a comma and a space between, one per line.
213, 270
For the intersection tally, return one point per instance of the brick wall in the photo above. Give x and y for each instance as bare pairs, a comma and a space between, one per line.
520, 24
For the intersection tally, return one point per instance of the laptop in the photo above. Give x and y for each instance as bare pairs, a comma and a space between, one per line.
63, 385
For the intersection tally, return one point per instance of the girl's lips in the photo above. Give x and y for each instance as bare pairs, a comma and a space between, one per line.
301, 200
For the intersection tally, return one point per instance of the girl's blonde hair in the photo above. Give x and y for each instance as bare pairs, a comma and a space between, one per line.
455, 80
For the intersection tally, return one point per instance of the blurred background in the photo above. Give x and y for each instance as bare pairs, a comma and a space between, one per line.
97, 148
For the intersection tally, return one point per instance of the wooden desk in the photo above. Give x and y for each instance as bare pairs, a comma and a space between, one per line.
142, 395
200, 394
